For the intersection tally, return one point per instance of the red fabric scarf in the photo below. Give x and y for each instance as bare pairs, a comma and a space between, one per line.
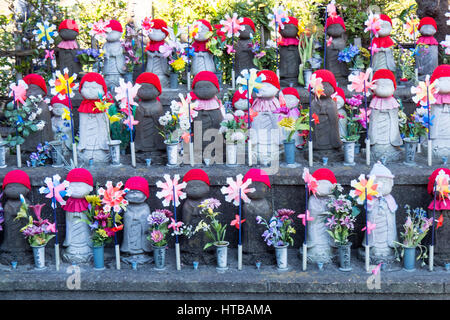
383, 42
200, 46
289, 42
87, 106
154, 45
75, 205
429, 40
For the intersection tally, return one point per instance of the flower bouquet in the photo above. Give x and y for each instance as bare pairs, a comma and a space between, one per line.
352, 55
355, 122
158, 221
234, 126
416, 126
39, 157
87, 58
214, 230
132, 52
265, 56
174, 50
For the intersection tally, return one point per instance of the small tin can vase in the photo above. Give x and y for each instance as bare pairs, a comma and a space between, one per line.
409, 259
114, 151
410, 151
349, 153
222, 254
159, 256
231, 148
281, 254
173, 80
289, 151
172, 153
344, 252
39, 257
307, 73
99, 257
56, 153
3, 148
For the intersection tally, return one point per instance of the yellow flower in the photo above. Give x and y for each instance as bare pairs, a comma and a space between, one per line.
201, 226
287, 123
115, 118
178, 65
365, 53
291, 230
102, 233
93, 200
66, 114
301, 28
102, 106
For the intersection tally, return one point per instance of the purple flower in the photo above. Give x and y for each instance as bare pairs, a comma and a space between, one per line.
258, 220
212, 203
331, 222
32, 231
157, 218
1, 221
347, 222
354, 101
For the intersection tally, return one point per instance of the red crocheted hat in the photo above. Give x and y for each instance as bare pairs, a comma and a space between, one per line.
271, 77
238, 96
115, 25
326, 76
425, 21
206, 76
257, 175
384, 74
441, 71
249, 22
292, 91
80, 175
64, 101
292, 20
432, 178
138, 183
93, 77
206, 23
68, 24
151, 78
160, 24
196, 174
36, 79
17, 176
385, 18
324, 174
340, 93
335, 20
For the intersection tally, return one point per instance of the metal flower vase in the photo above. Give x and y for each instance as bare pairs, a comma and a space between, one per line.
222, 254
173, 80
410, 151
344, 252
99, 257
289, 151
114, 151
39, 257
307, 73
231, 149
281, 254
409, 259
349, 153
172, 153
159, 256
56, 153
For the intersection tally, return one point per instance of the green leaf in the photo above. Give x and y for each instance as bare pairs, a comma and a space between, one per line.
209, 244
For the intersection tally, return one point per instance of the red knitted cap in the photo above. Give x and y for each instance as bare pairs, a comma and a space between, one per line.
17, 176
271, 77
148, 77
206, 76
257, 175
385, 18
196, 174
427, 20
326, 76
292, 20
160, 24
93, 77
335, 20
36, 79
292, 91
441, 71
324, 174
238, 96
432, 179
385, 74
68, 24
206, 23
80, 175
115, 25
138, 183
340, 93
249, 22
64, 101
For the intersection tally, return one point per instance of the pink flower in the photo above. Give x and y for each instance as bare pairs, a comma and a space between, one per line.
235, 222
232, 25
361, 81
310, 181
175, 225
362, 117
99, 28
19, 91
232, 191
157, 236
329, 41
167, 193
305, 217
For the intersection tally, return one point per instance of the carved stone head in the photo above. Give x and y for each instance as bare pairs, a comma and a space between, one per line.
385, 29
68, 34
384, 88
241, 104
58, 109
205, 90
261, 190
335, 30
14, 190
157, 35
135, 196
34, 90
246, 33
291, 101
147, 91
79, 189
197, 189
324, 188
328, 89
289, 31
385, 185
113, 36
203, 32
427, 30
91, 90
444, 85
267, 91
339, 102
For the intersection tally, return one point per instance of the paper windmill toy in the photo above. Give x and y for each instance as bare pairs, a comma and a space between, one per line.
316, 85
232, 25
113, 197
99, 29
186, 106
411, 26
373, 24
359, 191
424, 92
232, 193
278, 17
167, 193
45, 33
147, 25
62, 83
55, 189
360, 83
19, 91
250, 81
331, 9
305, 217
126, 93
310, 181
442, 181
237, 222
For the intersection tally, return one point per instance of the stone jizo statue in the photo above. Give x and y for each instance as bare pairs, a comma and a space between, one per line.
114, 60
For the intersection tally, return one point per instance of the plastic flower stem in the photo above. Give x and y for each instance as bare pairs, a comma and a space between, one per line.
325, 40
240, 216
431, 258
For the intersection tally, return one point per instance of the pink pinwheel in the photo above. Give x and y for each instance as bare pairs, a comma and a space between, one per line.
373, 24
236, 221
278, 16
147, 24
130, 122
175, 225
331, 9
232, 25
126, 92
19, 91
232, 191
358, 81
316, 85
185, 104
305, 217
99, 28
329, 41
310, 181
113, 197
422, 95
55, 189
373, 49
51, 227
167, 193
49, 54
370, 226
230, 49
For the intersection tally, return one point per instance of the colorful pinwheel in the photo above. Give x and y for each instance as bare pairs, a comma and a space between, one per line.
360, 83
167, 193
370, 226
55, 189
99, 29
186, 106
62, 82
316, 84
113, 197
442, 181
126, 93
45, 33
411, 27
19, 91
147, 25
232, 25
360, 188
255, 82
331, 9
424, 92
373, 23
305, 217
232, 193
310, 181
278, 16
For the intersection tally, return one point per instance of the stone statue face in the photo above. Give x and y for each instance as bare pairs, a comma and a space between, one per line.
385, 185
196, 189
289, 31
14, 190
34, 91
157, 35
58, 109
245, 34
147, 91
427, 30
339, 102
113, 36
324, 188
267, 91
261, 190
335, 30
67, 34
384, 88
135, 196
328, 89
205, 90
241, 104
291, 101
91, 90
385, 30
79, 189
203, 33
444, 85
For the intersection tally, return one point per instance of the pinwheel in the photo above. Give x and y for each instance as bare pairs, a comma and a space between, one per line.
18, 92
311, 182
99, 29
45, 33
373, 24
250, 81
331, 10
370, 226
376, 269
305, 217
316, 85
175, 225
237, 222
49, 54
232, 25
411, 27
277, 19
55, 190
311, 186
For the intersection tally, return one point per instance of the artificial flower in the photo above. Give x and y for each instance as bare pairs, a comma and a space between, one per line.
315, 118
361, 83
175, 225
360, 188
287, 123
316, 85
305, 217
440, 222
99, 29
178, 64
126, 93
232, 25
19, 91
237, 190
310, 181
446, 44
45, 33
424, 92
329, 41
373, 23
54, 189
236, 221
113, 197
